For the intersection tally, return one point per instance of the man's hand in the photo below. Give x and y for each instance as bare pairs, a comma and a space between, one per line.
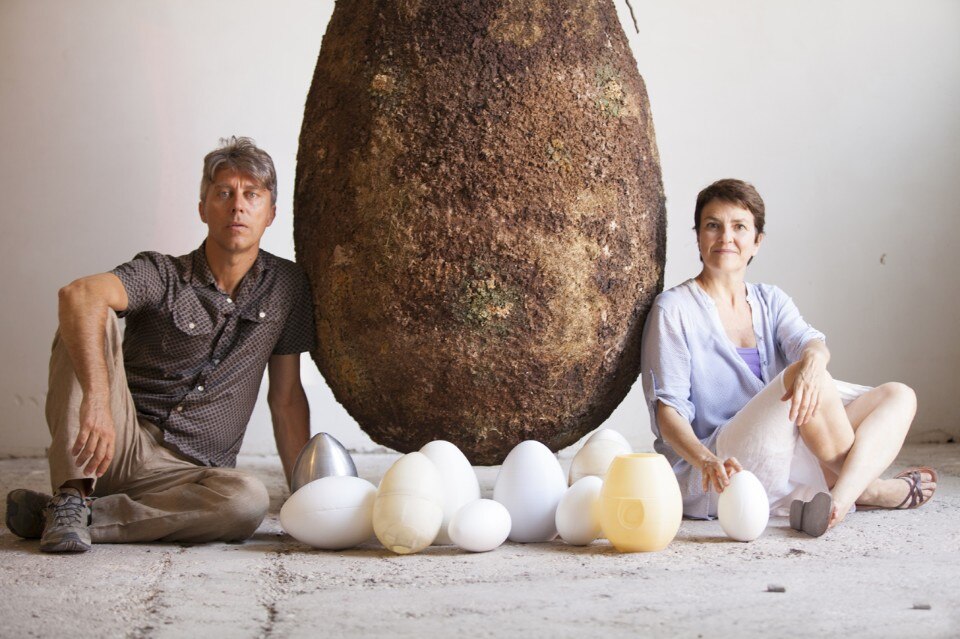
95, 441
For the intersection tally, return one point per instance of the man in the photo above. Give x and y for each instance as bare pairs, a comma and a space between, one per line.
145, 435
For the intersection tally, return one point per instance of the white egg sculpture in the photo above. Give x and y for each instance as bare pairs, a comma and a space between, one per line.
597, 453
480, 526
608, 434
330, 513
530, 485
408, 510
743, 508
459, 482
578, 520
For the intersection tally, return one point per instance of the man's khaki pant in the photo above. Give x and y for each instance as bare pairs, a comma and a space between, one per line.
149, 492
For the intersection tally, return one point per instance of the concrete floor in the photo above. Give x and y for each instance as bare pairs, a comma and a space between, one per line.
881, 574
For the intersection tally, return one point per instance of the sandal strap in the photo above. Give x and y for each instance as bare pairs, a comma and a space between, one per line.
915, 493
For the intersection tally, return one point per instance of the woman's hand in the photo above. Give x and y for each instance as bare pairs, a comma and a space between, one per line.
716, 474
807, 385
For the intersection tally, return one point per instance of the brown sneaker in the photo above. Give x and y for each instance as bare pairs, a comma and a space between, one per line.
67, 521
25, 512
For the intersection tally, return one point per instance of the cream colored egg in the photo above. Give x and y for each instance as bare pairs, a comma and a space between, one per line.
330, 513
408, 509
608, 434
743, 508
459, 482
578, 520
597, 453
480, 526
530, 485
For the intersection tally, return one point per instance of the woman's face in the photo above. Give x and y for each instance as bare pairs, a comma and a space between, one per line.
727, 237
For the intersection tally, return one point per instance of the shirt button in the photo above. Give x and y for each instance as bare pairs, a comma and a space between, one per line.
229, 301
216, 361
262, 314
180, 408
200, 387
191, 325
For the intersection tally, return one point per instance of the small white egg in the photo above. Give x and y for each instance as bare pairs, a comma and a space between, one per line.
530, 484
578, 519
480, 525
459, 482
330, 513
743, 508
408, 510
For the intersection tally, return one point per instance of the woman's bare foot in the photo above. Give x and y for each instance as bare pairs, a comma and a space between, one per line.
839, 512
890, 493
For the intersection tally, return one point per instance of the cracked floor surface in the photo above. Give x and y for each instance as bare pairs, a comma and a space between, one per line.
881, 574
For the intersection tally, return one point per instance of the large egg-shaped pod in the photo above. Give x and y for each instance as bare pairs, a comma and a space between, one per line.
330, 513
458, 479
479, 210
597, 453
530, 485
408, 510
743, 507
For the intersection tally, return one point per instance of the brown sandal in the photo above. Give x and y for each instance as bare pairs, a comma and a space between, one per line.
914, 478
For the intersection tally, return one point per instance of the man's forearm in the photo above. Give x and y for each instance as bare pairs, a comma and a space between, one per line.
291, 429
83, 318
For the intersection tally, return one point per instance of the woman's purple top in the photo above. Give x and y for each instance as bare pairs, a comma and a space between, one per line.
752, 357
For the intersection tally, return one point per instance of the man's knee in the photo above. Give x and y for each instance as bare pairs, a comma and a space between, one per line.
245, 505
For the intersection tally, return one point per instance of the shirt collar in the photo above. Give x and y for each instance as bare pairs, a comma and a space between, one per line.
196, 270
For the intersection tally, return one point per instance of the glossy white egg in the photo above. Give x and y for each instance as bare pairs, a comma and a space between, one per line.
480, 526
530, 485
408, 510
597, 453
743, 508
578, 517
459, 482
331, 513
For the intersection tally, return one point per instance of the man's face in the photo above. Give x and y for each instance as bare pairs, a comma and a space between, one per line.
237, 210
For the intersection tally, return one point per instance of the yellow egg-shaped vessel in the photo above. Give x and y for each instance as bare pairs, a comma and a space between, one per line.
640, 503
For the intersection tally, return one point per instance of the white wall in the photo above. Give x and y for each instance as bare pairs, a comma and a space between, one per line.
843, 114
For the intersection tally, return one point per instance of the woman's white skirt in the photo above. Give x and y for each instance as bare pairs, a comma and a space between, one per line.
765, 442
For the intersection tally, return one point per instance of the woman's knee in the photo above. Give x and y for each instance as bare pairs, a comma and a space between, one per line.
901, 394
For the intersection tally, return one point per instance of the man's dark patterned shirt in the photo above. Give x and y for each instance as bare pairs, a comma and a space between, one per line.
195, 357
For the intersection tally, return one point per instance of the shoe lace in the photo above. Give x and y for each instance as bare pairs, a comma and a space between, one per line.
68, 510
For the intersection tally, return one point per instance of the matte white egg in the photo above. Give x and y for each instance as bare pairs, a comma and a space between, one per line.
330, 513
459, 482
530, 485
743, 508
578, 520
480, 526
595, 456
408, 510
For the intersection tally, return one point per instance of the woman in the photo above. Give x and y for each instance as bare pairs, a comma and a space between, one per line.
735, 379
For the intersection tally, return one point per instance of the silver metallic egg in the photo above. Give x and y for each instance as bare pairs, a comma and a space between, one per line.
322, 456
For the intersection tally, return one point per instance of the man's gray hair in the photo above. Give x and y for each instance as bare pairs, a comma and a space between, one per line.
243, 156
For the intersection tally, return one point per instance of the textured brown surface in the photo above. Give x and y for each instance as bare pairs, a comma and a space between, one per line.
480, 211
